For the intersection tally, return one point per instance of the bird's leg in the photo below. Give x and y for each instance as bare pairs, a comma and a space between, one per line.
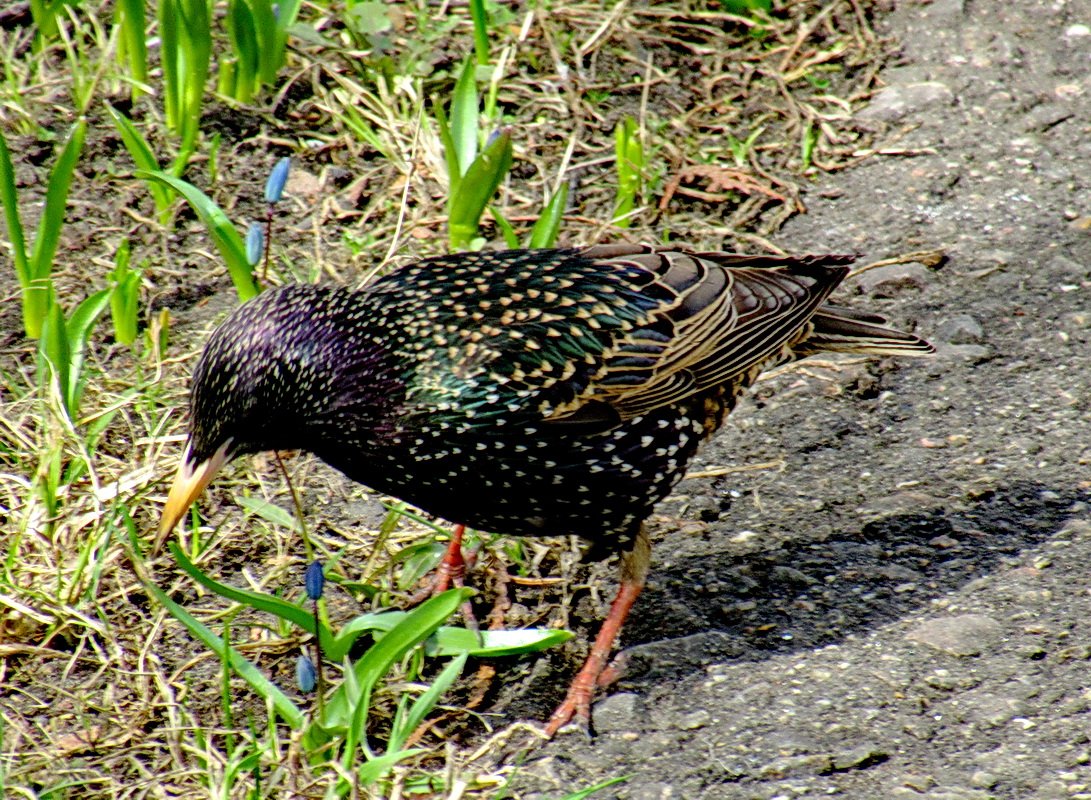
634, 571
451, 569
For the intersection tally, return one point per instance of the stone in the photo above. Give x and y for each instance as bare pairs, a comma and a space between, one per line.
960, 329
962, 635
618, 712
894, 102
887, 281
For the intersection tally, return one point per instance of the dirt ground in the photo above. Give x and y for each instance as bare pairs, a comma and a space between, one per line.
887, 596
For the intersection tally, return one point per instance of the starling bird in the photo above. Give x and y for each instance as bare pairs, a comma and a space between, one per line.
529, 392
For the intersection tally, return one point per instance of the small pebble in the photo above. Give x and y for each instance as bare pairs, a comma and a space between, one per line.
963, 635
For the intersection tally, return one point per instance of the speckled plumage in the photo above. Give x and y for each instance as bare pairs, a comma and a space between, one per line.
523, 392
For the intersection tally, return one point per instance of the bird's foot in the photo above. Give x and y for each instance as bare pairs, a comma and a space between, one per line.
576, 708
577, 704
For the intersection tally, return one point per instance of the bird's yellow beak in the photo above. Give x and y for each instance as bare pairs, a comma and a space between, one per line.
189, 482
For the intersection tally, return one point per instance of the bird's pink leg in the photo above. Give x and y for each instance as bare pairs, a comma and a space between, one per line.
451, 569
634, 572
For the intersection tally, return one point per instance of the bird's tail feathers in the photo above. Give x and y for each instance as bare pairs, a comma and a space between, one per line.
842, 330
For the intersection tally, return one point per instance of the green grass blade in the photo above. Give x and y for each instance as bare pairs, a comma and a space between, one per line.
141, 153
464, 113
288, 710
9, 198
56, 198
481, 30
548, 226
130, 17
479, 184
228, 241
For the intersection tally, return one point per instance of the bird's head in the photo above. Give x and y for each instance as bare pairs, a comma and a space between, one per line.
268, 379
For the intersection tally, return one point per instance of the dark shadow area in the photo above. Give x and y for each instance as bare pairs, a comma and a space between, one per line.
816, 593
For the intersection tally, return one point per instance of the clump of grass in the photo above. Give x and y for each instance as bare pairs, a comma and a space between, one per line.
340, 732
35, 269
472, 176
258, 33
185, 35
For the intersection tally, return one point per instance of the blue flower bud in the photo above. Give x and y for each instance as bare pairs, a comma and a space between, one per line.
305, 676
255, 243
314, 580
274, 187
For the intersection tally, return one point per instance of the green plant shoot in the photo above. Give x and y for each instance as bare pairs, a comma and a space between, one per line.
124, 296
35, 269
629, 154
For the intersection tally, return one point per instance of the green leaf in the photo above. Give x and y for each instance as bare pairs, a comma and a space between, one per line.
9, 198
124, 296
78, 329
511, 239
479, 184
451, 641
270, 512
481, 30
494, 644
450, 153
53, 345
129, 16
270, 604
546, 229
244, 37
404, 727
375, 768
38, 292
288, 710
141, 153
369, 18
629, 157
464, 113
228, 241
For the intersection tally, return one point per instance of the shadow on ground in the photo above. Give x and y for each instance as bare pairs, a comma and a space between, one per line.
815, 593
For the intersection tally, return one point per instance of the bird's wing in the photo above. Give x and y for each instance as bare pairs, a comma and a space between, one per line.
726, 315
585, 338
